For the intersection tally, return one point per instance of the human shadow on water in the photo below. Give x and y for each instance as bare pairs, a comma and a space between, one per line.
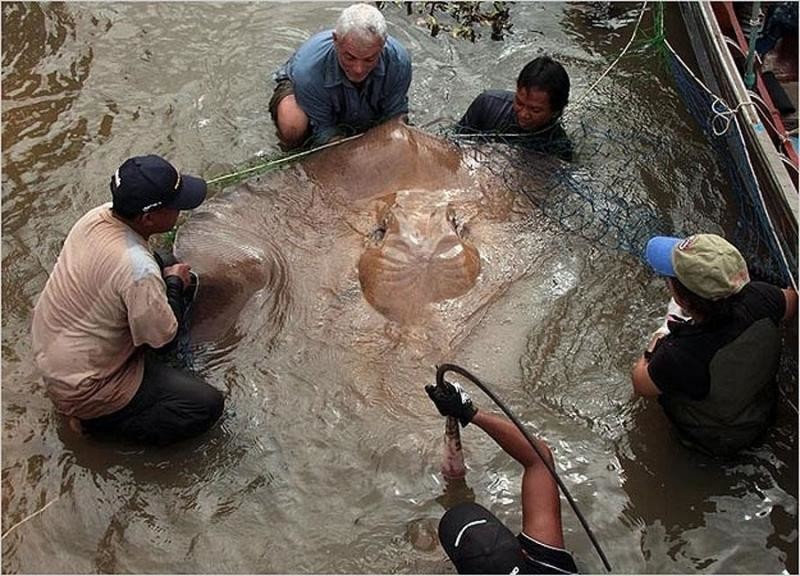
680, 497
175, 466
659, 473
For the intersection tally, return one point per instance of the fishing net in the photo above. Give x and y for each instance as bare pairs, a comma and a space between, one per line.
622, 150
601, 196
605, 211
771, 254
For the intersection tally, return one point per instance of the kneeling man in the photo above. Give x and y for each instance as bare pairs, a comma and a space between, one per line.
342, 81
109, 304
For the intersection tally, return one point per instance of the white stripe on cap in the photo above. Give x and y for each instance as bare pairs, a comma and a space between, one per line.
117, 180
151, 206
541, 563
540, 543
464, 529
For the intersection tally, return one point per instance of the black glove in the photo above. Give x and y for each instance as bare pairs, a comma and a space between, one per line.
164, 258
452, 400
175, 296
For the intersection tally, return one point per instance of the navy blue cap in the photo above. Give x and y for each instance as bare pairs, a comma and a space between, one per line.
146, 183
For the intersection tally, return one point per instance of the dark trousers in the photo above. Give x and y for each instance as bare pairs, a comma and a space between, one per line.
170, 405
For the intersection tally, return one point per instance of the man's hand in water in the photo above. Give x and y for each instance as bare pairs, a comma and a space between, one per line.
452, 400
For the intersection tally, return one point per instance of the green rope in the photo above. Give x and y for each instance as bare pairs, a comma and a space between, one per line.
239, 175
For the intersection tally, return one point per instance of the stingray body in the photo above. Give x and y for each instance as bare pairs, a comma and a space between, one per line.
396, 227
421, 255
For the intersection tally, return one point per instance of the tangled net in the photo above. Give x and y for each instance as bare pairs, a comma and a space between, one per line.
606, 209
603, 196
769, 244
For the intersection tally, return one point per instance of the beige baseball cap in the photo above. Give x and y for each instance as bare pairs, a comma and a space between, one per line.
706, 264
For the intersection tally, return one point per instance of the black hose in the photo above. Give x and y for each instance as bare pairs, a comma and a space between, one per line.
440, 371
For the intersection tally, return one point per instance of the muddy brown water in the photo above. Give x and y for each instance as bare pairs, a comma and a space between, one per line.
328, 458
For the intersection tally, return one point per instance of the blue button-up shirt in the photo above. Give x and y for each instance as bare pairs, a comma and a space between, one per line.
331, 102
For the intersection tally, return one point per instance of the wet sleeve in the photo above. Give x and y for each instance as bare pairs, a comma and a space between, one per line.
561, 146
396, 88
175, 296
150, 317
772, 302
316, 103
472, 120
564, 151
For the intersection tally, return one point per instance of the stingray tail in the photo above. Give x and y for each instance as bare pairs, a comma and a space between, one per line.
453, 466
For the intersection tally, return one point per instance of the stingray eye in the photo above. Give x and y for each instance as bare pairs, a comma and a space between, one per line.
455, 221
380, 230
378, 233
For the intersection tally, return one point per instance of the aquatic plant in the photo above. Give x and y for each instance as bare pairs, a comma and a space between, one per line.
655, 38
461, 19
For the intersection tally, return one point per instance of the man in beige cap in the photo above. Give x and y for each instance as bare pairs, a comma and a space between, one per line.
713, 362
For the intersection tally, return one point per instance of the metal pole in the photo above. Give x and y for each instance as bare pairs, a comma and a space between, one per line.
755, 29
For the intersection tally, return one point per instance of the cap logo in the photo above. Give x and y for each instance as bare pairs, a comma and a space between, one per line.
466, 527
152, 206
686, 243
515, 570
117, 179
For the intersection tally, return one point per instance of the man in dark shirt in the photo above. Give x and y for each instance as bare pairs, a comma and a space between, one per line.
477, 541
530, 116
713, 363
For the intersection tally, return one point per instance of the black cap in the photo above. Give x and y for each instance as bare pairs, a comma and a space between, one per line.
478, 543
146, 183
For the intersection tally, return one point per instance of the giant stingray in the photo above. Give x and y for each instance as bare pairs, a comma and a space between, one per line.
395, 241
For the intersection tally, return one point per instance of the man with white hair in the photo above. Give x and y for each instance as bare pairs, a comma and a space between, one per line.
341, 81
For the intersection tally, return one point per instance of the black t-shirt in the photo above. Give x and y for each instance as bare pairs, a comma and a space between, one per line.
680, 362
492, 112
543, 559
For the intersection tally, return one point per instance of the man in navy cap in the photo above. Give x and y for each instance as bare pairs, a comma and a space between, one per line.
476, 541
109, 303
713, 362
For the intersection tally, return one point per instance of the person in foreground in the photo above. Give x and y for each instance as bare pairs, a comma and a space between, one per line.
342, 81
533, 111
713, 362
474, 539
108, 305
